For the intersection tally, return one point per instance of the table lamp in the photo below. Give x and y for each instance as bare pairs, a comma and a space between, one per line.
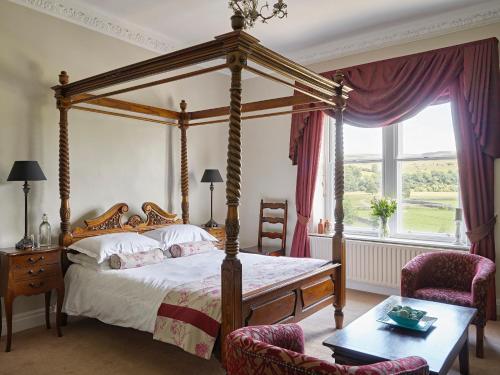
26, 171
211, 175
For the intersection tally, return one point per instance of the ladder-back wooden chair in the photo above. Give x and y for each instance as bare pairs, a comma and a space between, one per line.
268, 216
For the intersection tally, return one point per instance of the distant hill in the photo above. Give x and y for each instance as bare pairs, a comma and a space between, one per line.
436, 154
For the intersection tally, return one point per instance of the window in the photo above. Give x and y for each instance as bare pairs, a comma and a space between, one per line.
413, 162
362, 174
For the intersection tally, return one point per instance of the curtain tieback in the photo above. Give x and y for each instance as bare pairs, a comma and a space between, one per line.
478, 233
304, 220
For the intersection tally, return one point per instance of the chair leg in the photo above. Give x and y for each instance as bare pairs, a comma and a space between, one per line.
479, 341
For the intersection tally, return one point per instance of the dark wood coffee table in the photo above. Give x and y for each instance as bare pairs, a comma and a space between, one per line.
366, 341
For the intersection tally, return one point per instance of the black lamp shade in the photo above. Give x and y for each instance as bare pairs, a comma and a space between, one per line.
212, 175
26, 171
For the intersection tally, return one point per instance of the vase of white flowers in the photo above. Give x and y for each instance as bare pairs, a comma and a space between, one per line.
383, 208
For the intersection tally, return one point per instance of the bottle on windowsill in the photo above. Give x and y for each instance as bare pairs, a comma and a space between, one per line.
321, 227
458, 226
328, 227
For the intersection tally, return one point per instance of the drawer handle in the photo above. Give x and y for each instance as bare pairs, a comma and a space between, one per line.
41, 270
37, 285
33, 261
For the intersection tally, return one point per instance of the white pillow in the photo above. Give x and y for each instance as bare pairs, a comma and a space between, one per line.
88, 262
102, 247
179, 233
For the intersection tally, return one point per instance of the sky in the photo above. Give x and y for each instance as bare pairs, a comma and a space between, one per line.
429, 131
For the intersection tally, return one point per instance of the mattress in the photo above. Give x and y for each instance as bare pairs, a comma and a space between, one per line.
130, 298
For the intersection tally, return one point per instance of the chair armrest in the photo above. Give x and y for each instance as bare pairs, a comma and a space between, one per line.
285, 336
410, 276
484, 273
403, 366
264, 348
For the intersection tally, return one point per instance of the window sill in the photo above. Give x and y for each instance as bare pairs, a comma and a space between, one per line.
400, 241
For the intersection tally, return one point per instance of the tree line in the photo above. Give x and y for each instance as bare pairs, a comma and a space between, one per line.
367, 179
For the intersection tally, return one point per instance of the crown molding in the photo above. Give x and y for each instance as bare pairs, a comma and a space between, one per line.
445, 23
96, 20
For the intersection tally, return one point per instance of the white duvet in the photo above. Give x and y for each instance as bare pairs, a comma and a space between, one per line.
130, 298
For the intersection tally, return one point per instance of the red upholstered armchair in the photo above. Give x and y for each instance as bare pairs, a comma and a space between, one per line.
453, 277
279, 350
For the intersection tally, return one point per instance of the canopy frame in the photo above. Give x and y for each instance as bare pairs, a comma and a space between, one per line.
314, 92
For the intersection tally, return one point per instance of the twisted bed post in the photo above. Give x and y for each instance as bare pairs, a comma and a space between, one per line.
183, 125
64, 178
338, 245
231, 288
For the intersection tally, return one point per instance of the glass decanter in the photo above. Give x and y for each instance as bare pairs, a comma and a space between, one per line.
44, 235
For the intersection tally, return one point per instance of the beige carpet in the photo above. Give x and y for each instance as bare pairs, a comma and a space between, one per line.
93, 348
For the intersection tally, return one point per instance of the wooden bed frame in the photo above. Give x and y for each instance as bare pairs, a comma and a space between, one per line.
288, 301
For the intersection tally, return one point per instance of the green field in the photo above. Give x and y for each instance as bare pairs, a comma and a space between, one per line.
415, 217
429, 194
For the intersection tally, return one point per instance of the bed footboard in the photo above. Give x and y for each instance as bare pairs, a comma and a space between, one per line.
294, 299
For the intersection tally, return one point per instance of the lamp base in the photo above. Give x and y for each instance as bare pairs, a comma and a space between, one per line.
211, 224
25, 243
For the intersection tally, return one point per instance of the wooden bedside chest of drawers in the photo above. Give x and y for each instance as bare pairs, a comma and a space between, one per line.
27, 273
219, 233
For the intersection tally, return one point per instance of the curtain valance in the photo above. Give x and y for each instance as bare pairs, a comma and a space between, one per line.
393, 90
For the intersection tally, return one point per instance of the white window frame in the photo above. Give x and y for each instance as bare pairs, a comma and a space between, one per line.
391, 183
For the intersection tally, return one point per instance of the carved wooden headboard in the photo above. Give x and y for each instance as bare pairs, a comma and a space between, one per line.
113, 221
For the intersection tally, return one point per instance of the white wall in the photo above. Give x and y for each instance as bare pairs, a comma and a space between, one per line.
267, 170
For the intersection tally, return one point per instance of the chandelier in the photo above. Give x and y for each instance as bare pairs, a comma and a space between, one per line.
251, 11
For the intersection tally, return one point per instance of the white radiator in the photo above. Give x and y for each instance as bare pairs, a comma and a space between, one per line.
371, 266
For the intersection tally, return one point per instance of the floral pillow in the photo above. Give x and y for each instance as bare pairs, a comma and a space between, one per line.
191, 248
144, 258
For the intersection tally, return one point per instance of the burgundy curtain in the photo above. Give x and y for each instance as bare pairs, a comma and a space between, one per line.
389, 91
308, 152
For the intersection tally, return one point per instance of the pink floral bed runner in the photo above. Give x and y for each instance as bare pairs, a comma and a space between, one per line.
190, 315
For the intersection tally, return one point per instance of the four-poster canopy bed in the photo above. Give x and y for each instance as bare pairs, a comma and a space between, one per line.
287, 301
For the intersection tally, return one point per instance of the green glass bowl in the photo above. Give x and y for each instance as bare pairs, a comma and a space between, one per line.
410, 321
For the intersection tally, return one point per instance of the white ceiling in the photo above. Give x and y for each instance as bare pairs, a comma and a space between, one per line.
314, 29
